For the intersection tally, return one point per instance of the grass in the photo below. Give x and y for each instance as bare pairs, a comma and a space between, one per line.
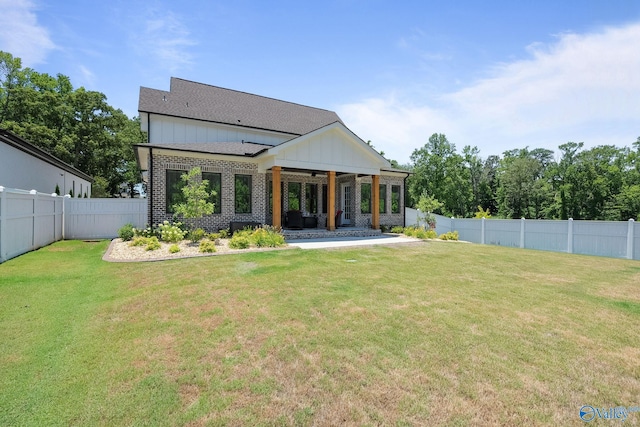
427, 334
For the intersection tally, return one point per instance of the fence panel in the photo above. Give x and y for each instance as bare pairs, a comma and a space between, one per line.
636, 240
102, 218
546, 235
604, 238
502, 232
28, 221
469, 230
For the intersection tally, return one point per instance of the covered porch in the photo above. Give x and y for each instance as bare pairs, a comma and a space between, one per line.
318, 175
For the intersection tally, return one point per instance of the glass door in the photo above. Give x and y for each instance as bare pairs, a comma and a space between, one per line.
346, 203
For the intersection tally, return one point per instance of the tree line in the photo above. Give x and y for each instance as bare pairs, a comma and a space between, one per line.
74, 124
601, 183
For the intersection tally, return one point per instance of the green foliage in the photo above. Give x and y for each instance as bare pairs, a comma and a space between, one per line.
207, 246
171, 233
224, 233
150, 243
427, 205
397, 229
239, 241
57, 190
146, 232
214, 236
126, 232
197, 196
75, 125
420, 232
196, 235
482, 213
451, 235
174, 249
267, 237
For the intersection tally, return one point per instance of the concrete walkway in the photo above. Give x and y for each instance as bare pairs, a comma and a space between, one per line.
341, 242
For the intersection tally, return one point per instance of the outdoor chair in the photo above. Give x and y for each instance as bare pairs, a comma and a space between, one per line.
294, 219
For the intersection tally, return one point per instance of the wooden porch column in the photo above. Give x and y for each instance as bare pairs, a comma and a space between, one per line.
331, 200
375, 202
277, 196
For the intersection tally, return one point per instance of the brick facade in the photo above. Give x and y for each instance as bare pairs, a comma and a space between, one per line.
261, 183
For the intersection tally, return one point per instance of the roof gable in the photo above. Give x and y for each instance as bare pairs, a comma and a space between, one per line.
332, 147
214, 104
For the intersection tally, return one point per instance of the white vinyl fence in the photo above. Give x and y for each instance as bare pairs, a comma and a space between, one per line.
30, 220
615, 239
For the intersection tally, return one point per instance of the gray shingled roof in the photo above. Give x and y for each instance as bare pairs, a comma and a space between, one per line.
214, 104
229, 148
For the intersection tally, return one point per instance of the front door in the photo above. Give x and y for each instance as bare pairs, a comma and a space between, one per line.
346, 203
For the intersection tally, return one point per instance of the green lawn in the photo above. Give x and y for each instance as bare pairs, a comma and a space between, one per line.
427, 334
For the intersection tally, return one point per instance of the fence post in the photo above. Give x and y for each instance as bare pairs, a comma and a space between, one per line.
482, 231
451, 227
522, 232
34, 207
630, 239
570, 236
3, 222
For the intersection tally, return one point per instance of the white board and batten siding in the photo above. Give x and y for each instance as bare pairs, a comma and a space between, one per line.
176, 130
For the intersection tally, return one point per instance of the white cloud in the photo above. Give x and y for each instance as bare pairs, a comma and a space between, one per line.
20, 33
580, 88
167, 40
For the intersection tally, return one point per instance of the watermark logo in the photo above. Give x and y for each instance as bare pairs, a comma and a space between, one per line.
589, 413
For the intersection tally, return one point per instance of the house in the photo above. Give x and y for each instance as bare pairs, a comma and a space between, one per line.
27, 167
269, 161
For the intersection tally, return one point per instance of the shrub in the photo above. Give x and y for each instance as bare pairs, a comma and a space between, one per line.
174, 249
224, 233
431, 234
207, 246
397, 229
239, 241
420, 233
410, 231
196, 235
267, 237
214, 236
146, 232
150, 243
126, 232
171, 233
451, 235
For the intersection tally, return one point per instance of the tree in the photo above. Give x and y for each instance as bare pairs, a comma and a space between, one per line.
196, 197
440, 172
75, 125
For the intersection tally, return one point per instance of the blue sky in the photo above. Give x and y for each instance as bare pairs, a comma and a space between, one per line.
497, 75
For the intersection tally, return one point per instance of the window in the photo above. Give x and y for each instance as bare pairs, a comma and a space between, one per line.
295, 194
365, 198
215, 180
311, 198
383, 198
395, 199
324, 198
174, 189
243, 194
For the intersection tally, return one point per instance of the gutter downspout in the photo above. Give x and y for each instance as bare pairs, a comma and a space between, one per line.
404, 197
150, 186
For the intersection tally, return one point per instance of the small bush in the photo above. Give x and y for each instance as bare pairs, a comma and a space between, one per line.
214, 236
397, 229
239, 241
431, 234
267, 237
196, 235
410, 231
207, 246
171, 233
146, 232
150, 243
224, 233
451, 235
174, 249
126, 232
